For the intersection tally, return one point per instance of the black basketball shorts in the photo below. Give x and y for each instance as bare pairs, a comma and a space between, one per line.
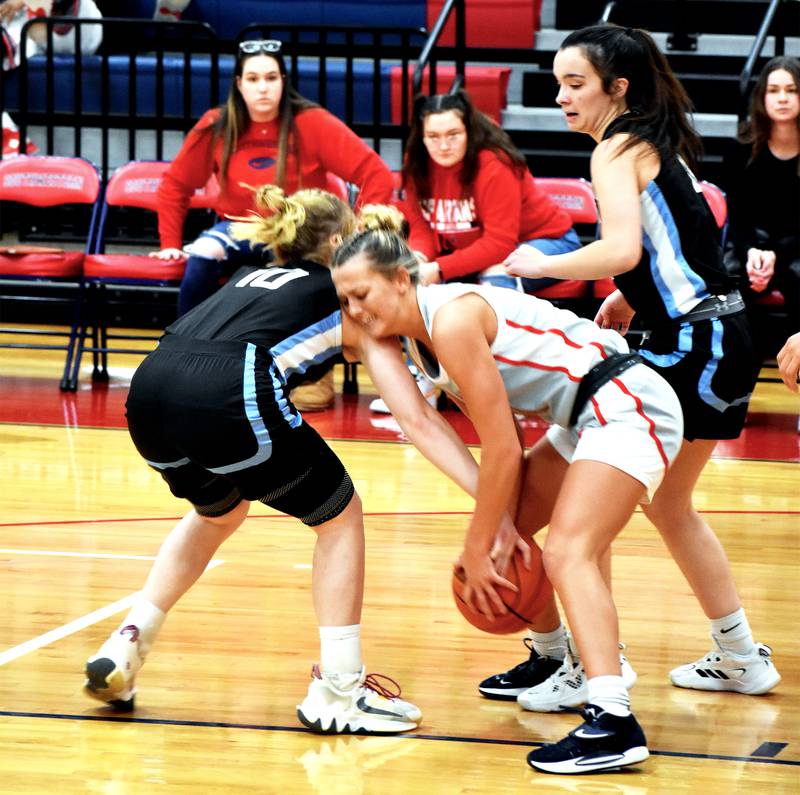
214, 419
712, 366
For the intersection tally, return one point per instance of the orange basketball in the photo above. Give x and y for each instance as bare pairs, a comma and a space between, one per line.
534, 593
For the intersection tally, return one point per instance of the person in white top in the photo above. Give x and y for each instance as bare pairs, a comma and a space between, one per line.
13, 16
617, 426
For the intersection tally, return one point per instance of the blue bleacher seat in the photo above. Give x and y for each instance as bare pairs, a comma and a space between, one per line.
306, 83
228, 18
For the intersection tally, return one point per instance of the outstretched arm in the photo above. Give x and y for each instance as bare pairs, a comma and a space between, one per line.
461, 333
616, 181
427, 430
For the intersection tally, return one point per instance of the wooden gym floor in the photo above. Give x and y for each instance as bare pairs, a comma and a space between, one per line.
82, 517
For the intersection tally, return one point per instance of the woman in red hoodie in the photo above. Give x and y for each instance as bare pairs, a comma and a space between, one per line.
266, 133
470, 199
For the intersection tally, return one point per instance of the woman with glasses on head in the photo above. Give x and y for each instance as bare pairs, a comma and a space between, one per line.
470, 199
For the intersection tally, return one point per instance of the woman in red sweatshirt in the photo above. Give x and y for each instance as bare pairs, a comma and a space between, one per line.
266, 133
470, 199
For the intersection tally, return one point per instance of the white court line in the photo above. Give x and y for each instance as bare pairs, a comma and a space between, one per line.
74, 554
75, 626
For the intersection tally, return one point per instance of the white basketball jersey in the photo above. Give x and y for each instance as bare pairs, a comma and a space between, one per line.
542, 352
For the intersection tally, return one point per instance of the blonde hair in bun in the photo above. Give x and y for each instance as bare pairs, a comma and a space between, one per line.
380, 217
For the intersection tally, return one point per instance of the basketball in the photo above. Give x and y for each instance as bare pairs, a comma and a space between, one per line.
534, 593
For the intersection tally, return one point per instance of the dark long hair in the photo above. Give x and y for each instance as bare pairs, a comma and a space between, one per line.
658, 106
482, 133
756, 130
234, 118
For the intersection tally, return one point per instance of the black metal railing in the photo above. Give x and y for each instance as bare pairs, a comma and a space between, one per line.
172, 72
427, 59
122, 90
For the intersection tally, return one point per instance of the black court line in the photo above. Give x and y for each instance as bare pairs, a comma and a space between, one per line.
436, 737
270, 517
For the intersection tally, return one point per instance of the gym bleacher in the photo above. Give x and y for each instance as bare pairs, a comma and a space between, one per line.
150, 81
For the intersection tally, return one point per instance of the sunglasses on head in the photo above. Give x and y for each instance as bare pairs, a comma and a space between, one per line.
253, 46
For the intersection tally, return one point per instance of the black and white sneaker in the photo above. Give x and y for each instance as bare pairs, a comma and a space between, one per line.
535, 670
602, 742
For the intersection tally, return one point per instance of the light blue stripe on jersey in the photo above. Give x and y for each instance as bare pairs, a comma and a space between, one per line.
263, 439
670, 359
706, 393
312, 345
680, 288
170, 465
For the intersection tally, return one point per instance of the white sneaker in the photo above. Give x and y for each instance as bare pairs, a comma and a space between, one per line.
361, 705
110, 673
425, 385
567, 687
753, 674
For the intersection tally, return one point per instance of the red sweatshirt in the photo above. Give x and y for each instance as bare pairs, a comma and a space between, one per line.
324, 144
500, 211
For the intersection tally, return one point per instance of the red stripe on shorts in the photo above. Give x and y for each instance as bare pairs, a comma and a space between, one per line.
651, 424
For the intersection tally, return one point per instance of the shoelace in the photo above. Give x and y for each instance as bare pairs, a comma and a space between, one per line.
371, 682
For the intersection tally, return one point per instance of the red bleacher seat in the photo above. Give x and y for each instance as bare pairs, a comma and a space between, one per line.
512, 23
487, 87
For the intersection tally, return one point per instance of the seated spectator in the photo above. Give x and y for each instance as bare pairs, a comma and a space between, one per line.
13, 16
470, 199
266, 133
764, 201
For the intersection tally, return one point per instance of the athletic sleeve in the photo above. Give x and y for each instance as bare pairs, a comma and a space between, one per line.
498, 206
189, 171
339, 150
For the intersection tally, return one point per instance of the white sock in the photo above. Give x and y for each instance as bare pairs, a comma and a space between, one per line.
733, 633
550, 644
340, 649
147, 618
609, 693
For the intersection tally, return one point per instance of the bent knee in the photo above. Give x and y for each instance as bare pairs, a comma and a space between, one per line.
207, 248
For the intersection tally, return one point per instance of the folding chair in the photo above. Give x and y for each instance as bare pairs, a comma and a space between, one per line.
133, 185
48, 182
576, 197
718, 204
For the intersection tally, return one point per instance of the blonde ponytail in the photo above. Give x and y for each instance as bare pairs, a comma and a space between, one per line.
275, 224
295, 227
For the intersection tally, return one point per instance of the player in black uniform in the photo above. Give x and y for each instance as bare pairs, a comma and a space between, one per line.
660, 243
209, 410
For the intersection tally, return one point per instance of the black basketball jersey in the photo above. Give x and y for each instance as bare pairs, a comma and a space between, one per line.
291, 310
681, 263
